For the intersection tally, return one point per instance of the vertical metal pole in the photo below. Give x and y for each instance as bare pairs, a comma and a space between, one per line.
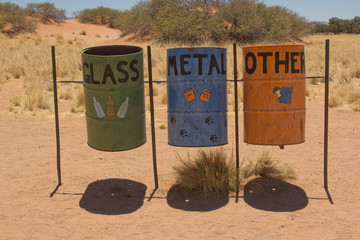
326, 130
236, 122
56, 115
152, 118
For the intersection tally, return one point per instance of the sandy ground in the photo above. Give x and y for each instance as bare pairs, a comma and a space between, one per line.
110, 195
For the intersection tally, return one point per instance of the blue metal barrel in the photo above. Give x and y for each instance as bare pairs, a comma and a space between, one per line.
197, 103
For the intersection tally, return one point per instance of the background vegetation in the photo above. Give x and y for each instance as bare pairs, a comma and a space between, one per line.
46, 12
196, 21
338, 25
15, 20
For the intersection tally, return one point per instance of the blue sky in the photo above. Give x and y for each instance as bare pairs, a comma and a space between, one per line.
313, 10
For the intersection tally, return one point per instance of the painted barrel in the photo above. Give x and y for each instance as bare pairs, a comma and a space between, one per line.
197, 103
114, 97
274, 94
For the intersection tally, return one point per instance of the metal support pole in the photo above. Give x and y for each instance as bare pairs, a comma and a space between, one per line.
326, 130
152, 117
56, 115
236, 123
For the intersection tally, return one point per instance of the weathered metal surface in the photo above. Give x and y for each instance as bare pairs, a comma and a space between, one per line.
197, 102
114, 97
274, 94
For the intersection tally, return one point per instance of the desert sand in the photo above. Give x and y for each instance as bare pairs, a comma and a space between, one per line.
108, 195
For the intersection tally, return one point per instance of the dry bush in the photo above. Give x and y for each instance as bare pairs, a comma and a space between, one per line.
213, 172
79, 106
266, 166
209, 172
59, 39
356, 106
66, 92
344, 94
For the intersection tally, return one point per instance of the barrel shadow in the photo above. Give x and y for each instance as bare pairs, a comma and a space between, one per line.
274, 195
194, 200
113, 197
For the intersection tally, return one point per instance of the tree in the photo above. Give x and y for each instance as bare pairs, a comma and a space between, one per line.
243, 24
14, 20
46, 12
355, 25
100, 16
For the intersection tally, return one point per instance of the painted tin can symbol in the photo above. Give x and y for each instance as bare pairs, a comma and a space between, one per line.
205, 95
189, 95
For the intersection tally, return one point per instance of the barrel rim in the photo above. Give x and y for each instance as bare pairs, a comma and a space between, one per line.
273, 45
85, 50
273, 144
183, 48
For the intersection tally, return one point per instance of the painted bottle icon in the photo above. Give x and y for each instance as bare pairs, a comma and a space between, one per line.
123, 108
110, 108
99, 111
189, 95
205, 95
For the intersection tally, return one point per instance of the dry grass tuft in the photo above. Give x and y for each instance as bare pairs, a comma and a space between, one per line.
209, 172
342, 94
266, 166
213, 172
66, 92
79, 106
344, 67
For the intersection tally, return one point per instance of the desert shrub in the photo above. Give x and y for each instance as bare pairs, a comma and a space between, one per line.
137, 21
193, 22
209, 172
266, 166
59, 39
14, 20
79, 106
280, 22
46, 12
356, 105
213, 172
100, 16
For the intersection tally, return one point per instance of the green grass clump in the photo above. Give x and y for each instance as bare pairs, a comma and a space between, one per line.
209, 172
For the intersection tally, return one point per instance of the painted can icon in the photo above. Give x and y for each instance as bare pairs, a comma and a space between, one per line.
205, 95
189, 95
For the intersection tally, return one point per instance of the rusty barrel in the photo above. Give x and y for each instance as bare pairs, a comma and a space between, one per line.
274, 94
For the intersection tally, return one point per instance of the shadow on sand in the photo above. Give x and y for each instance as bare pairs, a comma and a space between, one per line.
194, 200
113, 197
274, 195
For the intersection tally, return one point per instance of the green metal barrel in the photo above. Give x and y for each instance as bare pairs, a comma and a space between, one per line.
114, 97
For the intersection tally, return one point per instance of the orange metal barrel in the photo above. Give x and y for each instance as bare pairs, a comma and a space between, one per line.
274, 94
